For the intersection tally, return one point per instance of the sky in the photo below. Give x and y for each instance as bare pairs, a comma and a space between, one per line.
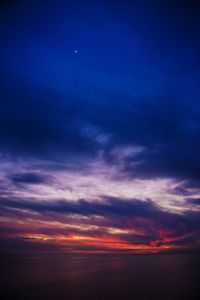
100, 126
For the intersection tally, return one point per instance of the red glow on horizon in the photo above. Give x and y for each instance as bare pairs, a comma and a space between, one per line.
107, 243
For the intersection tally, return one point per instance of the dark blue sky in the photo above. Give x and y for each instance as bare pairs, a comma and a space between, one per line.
100, 102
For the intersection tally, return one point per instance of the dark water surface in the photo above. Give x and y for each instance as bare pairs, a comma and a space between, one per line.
137, 277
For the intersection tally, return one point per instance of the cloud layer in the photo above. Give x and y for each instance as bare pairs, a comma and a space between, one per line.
100, 102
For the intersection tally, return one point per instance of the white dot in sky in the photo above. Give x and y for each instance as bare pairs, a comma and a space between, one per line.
75, 51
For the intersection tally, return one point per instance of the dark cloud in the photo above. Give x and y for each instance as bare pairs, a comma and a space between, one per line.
186, 188
28, 178
109, 207
165, 161
193, 201
179, 190
42, 123
191, 184
156, 225
39, 122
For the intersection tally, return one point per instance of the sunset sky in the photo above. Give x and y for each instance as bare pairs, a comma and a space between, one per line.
100, 126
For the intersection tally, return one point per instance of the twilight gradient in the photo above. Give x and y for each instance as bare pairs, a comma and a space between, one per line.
100, 126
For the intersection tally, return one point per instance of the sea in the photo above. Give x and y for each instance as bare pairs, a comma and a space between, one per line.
29, 276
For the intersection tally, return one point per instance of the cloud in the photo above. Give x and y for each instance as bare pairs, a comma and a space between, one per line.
150, 222
28, 178
57, 127
109, 120
134, 226
193, 201
105, 206
44, 126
